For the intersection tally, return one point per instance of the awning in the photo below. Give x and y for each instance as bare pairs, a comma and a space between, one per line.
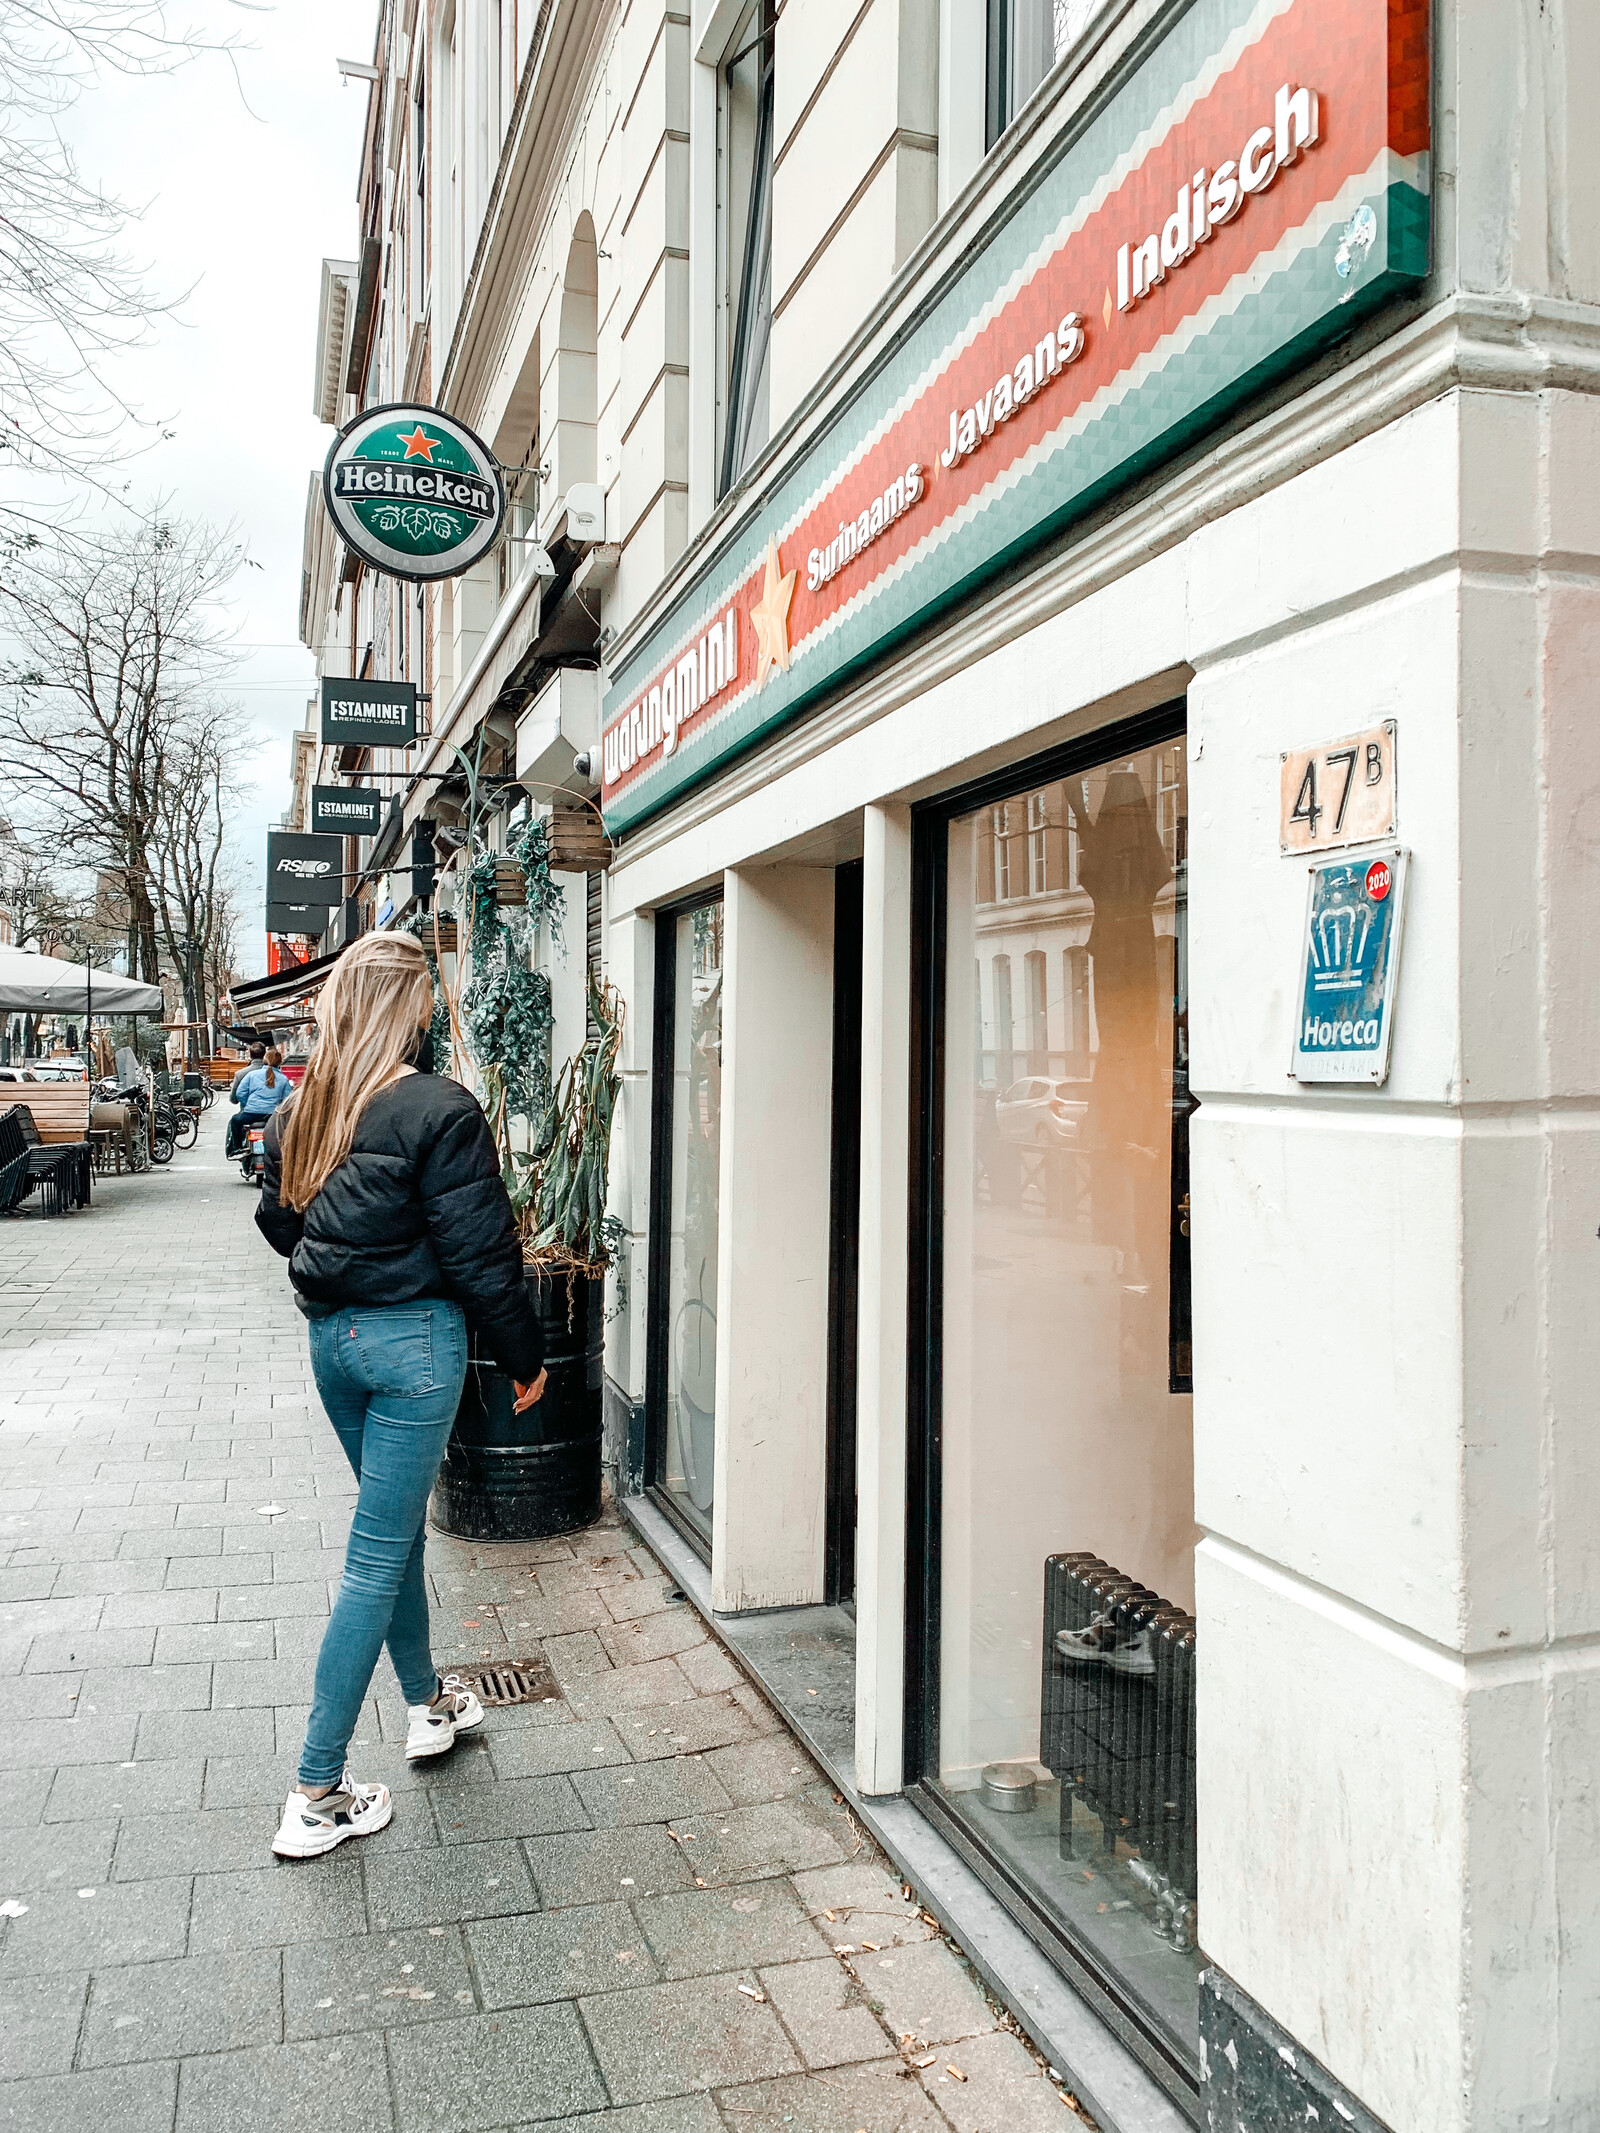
46, 985
255, 997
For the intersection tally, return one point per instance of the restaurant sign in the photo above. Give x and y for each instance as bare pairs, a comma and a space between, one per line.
346, 810
304, 870
368, 714
1258, 185
413, 493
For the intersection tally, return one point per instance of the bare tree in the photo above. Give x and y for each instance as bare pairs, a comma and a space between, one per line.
190, 836
121, 645
70, 298
39, 902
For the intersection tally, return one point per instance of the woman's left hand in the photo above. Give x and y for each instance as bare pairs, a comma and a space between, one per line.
528, 1394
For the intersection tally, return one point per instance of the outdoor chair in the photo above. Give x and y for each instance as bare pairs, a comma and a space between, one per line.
58, 1170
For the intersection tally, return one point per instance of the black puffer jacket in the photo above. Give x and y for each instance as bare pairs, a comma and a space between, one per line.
416, 1209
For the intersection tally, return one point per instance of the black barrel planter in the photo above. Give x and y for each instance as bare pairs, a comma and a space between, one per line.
507, 1476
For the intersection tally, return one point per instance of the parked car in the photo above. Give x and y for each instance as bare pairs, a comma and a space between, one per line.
1040, 1111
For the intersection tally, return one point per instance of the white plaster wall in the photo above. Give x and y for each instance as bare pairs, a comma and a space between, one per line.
769, 1513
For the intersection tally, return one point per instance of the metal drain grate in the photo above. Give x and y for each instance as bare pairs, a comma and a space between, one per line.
520, 1681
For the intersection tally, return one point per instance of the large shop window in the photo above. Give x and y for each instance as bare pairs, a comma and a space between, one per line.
682, 1397
1054, 1690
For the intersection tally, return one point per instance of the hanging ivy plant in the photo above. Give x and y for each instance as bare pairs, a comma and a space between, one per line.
420, 924
506, 1016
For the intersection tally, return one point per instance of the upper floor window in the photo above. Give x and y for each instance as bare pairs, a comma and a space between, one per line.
1026, 38
1038, 845
419, 181
1001, 818
744, 242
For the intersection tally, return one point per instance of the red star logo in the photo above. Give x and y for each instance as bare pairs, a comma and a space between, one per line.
419, 445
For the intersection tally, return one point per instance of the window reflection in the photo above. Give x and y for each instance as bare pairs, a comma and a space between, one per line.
1067, 1554
690, 1436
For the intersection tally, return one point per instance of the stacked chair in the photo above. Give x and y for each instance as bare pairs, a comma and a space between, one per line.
59, 1171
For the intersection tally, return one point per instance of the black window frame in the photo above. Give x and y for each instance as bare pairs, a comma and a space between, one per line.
931, 820
755, 264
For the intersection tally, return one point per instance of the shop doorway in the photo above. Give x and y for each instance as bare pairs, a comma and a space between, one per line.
844, 1239
1050, 1709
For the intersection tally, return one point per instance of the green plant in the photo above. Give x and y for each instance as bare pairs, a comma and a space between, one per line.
420, 923
560, 1186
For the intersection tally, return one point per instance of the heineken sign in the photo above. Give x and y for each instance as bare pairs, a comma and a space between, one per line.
348, 810
368, 714
413, 493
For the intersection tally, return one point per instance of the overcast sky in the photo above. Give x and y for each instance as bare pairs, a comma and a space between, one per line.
245, 187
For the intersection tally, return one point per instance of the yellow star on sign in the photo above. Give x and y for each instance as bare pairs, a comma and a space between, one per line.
771, 616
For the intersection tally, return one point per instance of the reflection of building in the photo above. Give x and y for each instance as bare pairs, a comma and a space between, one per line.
1036, 983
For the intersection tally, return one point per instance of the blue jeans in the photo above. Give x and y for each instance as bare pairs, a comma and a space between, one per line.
391, 1381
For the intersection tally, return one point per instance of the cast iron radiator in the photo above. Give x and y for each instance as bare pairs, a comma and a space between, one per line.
1117, 1725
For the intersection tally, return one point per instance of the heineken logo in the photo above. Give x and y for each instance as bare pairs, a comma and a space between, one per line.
413, 492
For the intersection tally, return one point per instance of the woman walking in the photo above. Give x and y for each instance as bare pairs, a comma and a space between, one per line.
383, 1191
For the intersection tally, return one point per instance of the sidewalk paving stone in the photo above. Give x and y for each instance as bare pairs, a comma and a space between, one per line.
493, 2070
602, 1865
375, 1981
270, 1906
135, 2099
587, 1948
67, 1928
671, 2039
825, 2012
430, 1888
525, 1945
336, 2085
44, 1854
170, 2010
39, 2022
704, 1930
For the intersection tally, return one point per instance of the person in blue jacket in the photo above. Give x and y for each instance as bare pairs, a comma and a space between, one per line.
257, 1091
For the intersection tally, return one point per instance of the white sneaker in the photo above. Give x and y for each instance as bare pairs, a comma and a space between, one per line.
432, 1727
313, 1826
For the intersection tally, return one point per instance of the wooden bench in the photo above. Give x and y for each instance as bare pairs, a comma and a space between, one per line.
60, 1109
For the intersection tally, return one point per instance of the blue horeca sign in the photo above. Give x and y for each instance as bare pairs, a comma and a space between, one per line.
1350, 963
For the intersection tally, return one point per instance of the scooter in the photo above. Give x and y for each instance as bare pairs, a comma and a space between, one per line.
253, 1162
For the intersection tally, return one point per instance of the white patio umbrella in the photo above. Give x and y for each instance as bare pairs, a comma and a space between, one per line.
46, 985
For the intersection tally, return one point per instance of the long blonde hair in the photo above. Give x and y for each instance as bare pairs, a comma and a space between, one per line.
378, 998
274, 1061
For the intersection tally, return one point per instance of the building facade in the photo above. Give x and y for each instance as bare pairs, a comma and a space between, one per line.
1046, 530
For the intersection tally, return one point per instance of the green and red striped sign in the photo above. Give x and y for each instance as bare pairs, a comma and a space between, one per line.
1255, 188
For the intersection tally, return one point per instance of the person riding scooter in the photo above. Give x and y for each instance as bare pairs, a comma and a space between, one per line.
257, 1090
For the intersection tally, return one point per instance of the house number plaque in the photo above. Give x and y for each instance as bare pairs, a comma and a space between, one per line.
1339, 793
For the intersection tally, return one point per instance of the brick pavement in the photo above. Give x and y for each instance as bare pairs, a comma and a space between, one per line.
637, 1908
